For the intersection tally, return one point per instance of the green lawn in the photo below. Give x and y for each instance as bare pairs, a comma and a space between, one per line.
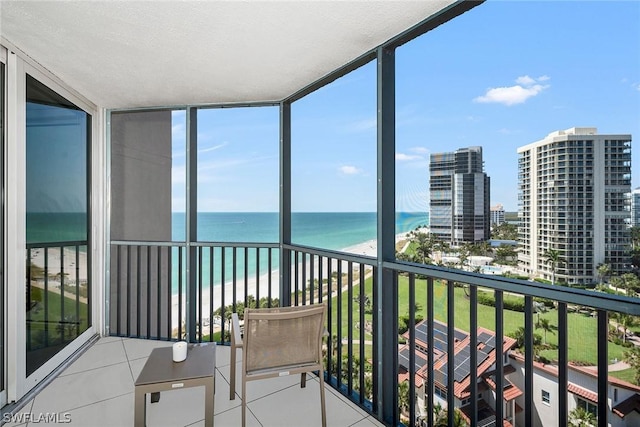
55, 328
626, 375
582, 329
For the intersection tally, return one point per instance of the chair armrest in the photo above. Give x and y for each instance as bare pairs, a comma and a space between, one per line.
236, 335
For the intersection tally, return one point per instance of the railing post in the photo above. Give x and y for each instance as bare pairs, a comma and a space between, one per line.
603, 368
387, 284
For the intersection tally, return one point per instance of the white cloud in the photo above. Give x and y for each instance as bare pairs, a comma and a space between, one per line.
407, 157
350, 170
419, 150
526, 88
363, 125
525, 81
215, 147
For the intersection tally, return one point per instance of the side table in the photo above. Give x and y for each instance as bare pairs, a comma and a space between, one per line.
161, 373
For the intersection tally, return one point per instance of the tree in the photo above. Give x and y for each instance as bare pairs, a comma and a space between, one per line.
626, 321
632, 357
403, 396
635, 236
505, 231
553, 257
580, 417
442, 420
630, 283
604, 271
617, 282
519, 336
423, 245
546, 326
463, 254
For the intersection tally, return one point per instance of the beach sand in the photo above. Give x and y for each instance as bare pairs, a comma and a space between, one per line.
72, 272
368, 248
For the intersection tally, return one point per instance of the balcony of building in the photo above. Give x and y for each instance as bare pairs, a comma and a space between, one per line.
405, 341
96, 389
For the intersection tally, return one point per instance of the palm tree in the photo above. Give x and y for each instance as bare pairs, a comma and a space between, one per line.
632, 357
617, 282
631, 283
635, 236
442, 420
553, 257
424, 244
546, 326
626, 321
580, 417
604, 271
403, 396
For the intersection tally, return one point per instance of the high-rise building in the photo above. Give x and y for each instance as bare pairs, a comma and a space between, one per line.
497, 214
459, 196
573, 196
635, 207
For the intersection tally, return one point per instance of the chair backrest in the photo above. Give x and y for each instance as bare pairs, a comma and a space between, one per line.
283, 337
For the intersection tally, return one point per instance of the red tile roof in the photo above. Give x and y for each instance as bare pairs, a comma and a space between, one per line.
582, 392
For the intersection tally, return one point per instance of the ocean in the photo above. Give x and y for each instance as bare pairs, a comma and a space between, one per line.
326, 230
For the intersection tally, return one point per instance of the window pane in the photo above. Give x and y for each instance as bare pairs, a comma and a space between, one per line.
333, 164
57, 160
238, 174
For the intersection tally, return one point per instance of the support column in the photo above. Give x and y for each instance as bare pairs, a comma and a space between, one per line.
192, 221
285, 203
386, 303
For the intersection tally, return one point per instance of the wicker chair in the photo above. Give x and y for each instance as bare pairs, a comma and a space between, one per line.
277, 342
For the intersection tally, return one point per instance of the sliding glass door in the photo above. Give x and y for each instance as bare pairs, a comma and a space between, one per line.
3, 393
58, 287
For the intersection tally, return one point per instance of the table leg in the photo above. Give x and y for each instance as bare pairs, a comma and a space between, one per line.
209, 398
140, 408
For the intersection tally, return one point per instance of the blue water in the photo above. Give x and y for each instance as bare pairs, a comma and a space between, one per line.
334, 231
56, 227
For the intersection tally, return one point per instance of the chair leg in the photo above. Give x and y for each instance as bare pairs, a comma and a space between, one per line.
322, 403
232, 374
244, 402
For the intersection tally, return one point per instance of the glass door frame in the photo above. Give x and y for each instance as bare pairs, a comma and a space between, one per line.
3, 299
18, 66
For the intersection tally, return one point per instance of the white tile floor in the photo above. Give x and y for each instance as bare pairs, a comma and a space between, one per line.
97, 390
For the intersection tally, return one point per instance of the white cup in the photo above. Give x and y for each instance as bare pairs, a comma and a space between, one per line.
180, 351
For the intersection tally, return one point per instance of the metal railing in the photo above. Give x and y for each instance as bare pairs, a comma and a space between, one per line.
58, 295
148, 299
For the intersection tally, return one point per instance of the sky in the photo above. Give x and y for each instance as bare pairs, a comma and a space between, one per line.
501, 76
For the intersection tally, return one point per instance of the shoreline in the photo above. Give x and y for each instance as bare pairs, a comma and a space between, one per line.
368, 248
256, 286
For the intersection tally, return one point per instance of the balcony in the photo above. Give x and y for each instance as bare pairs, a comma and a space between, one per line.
96, 389
407, 343
579, 355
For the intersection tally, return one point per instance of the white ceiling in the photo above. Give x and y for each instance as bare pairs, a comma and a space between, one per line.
152, 53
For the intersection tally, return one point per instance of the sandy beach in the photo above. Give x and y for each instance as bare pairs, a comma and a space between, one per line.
79, 271
368, 248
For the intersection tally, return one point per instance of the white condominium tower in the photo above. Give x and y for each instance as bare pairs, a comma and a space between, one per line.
459, 196
574, 188
635, 208
497, 214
